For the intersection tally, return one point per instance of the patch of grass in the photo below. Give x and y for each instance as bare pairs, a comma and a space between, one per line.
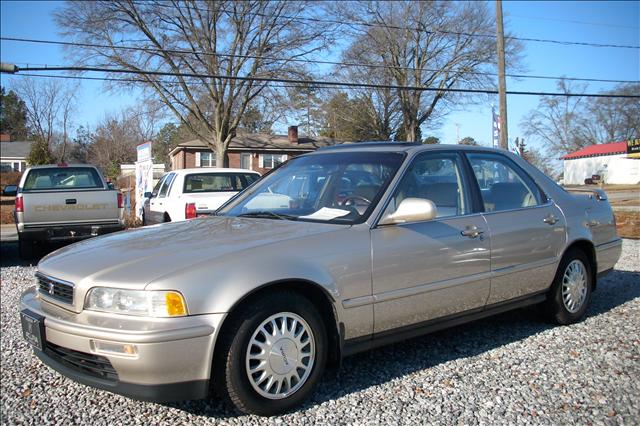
628, 224
6, 213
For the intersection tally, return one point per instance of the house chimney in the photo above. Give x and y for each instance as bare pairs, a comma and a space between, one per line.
5, 137
293, 135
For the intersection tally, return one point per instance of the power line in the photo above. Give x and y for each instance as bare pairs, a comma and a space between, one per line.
571, 21
435, 31
315, 61
322, 83
133, 80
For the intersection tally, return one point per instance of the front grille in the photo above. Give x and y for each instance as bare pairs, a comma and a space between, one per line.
92, 365
55, 289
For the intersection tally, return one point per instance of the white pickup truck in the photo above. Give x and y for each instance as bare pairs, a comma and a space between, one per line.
65, 203
187, 193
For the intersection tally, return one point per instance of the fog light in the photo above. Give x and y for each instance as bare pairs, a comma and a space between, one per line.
122, 349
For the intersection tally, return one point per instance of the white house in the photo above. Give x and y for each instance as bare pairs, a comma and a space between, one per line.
13, 154
616, 162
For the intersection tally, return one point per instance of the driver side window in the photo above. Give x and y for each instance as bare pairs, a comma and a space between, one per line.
435, 177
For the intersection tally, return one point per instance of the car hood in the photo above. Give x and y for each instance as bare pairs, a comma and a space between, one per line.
134, 258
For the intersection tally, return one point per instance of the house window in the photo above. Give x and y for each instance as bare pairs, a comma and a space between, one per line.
270, 161
205, 159
245, 161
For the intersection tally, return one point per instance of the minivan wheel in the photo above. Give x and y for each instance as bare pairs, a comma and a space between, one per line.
571, 290
272, 355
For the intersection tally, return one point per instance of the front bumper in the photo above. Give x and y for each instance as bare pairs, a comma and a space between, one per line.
173, 355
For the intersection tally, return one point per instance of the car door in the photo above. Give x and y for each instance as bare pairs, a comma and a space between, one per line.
436, 268
157, 203
527, 229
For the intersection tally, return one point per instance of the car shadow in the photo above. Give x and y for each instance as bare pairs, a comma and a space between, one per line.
359, 372
9, 255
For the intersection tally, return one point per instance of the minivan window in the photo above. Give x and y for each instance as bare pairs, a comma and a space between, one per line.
218, 182
62, 178
166, 184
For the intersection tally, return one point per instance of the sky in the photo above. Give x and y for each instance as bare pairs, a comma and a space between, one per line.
604, 22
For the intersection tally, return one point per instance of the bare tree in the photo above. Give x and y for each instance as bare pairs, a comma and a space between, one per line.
115, 139
558, 121
217, 38
50, 107
435, 44
613, 119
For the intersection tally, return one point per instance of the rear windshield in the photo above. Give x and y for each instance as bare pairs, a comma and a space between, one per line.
218, 182
62, 178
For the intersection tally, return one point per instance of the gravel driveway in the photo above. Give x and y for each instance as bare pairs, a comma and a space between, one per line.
511, 368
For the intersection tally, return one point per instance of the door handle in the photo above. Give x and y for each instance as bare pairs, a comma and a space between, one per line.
472, 232
550, 220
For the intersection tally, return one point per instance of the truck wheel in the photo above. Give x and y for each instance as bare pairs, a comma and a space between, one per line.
271, 354
25, 248
570, 293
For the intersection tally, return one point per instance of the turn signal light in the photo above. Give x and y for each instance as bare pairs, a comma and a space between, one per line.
190, 211
19, 204
175, 304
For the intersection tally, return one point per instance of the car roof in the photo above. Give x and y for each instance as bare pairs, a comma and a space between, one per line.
390, 146
212, 170
61, 166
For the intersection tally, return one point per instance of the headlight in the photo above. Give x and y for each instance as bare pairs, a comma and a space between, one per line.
136, 302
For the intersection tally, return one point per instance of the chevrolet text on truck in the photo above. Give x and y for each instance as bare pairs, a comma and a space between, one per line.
65, 203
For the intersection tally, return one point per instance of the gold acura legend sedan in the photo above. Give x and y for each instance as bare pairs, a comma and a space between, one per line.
333, 253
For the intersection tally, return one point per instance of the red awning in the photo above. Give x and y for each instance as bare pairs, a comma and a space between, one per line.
598, 150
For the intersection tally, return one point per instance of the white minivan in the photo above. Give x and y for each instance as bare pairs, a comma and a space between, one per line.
188, 193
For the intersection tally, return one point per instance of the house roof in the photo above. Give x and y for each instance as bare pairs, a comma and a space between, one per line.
15, 150
264, 142
598, 150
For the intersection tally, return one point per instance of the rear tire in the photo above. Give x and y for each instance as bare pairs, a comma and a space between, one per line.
25, 248
252, 353
571, 291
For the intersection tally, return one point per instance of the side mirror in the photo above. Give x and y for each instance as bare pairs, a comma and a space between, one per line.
148, 195
10, 191
110, 186
411, 210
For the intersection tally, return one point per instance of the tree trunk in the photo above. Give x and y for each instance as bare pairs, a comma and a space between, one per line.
412, 131
222, 160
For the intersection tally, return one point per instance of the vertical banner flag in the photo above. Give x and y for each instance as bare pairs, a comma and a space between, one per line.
496, 127
144, 175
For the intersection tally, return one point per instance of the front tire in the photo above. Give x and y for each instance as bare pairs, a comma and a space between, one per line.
272, 354
571, 290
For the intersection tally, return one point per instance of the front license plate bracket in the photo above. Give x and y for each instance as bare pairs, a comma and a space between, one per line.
33, 328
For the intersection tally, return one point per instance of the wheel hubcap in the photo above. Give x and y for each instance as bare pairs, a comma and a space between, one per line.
574, 286
280, 355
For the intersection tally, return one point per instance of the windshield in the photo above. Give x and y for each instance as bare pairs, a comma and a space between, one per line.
337, 187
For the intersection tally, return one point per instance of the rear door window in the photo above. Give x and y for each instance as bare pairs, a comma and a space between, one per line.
218, 182
63, 178
503, 185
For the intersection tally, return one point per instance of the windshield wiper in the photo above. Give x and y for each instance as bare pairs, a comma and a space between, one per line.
268, 214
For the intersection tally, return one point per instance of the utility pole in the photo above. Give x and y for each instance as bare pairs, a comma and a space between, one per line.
502, 85
457, 133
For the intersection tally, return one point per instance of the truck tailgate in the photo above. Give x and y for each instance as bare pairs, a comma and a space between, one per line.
78, 206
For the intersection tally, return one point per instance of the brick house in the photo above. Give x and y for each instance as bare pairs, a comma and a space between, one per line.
255, 151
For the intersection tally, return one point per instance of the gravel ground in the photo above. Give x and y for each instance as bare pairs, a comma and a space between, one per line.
511, 368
